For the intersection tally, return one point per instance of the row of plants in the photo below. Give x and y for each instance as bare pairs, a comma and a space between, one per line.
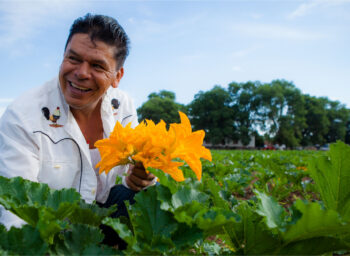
247, 202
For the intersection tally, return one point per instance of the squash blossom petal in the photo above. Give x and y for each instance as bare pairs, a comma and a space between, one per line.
155, 146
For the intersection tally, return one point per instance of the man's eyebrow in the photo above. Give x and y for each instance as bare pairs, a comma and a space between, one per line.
96, 61
73, 52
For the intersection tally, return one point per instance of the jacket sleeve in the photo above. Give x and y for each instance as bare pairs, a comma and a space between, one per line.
18, 157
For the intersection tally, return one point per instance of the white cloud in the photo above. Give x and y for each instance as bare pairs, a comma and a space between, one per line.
5, 100
272, 31
2, 110
305, 8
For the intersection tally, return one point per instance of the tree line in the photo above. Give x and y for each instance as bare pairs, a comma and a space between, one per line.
277, 112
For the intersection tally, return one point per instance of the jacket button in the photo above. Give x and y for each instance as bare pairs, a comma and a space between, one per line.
93, 191
57, 166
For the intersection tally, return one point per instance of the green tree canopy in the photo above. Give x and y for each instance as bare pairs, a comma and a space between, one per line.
211, 111
317, 123
245, 104
338, 116
161, 106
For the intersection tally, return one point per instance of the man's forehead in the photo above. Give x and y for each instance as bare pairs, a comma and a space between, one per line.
81, 44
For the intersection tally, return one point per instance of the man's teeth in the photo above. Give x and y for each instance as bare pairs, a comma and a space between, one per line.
78, 87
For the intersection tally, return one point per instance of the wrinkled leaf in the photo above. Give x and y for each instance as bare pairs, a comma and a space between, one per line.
332, 177
23, 241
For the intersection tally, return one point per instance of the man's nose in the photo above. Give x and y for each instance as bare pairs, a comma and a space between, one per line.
83, 71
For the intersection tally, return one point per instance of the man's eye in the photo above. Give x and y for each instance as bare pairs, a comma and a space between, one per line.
97, 66
73, 59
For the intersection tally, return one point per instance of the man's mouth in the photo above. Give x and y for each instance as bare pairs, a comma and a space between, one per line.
78, 87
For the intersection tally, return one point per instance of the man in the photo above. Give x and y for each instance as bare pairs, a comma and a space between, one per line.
48, 135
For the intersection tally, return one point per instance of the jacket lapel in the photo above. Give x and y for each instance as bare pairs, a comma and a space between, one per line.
108, 120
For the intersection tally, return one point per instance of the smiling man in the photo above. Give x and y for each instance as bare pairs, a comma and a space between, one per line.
48, 134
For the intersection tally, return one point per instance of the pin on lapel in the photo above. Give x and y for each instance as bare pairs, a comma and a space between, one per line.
54, 117
115, 105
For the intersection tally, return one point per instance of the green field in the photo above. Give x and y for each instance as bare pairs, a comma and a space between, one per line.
247, 203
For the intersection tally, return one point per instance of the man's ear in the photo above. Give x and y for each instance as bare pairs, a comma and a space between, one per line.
118, 77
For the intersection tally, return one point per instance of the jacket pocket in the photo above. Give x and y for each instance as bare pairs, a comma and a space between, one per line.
59, 174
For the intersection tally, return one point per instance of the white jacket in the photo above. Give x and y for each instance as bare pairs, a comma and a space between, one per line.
41, 150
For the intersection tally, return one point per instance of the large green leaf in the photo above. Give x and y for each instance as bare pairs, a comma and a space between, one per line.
77, 239
332, 177
187, 195
250, 236
165, 179
314, 222
271, 210
185, 236
26, 199
155, 230
24, 241
152, 226
313, 246
50, 211
122, 229
192, 206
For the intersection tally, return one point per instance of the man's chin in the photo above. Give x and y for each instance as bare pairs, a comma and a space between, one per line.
76, 104
81, 106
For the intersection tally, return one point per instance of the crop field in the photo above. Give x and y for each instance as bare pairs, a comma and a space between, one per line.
247, 203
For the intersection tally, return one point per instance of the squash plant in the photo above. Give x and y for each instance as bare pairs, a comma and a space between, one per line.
188, 217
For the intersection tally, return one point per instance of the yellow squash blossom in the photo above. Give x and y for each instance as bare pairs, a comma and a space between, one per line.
155, 146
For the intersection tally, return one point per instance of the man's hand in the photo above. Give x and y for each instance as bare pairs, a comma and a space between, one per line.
138, 178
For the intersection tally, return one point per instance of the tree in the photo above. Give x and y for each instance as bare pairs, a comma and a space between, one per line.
282, 112
245, 105
338, 116
211, 112
317, 123
161, 106
347, 135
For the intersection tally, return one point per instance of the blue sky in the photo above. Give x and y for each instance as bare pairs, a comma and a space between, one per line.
188, 46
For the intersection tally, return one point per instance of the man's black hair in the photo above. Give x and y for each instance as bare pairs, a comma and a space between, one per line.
103, 28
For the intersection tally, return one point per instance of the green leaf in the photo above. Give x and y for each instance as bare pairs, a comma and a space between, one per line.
314, 222
314, 246
250, 236
48, 225
164, 196
90, 214
187, 195
271, 210
24, 241
165, 179
25, 199
332, 177
186, 236
154, 220
51, 211
187, 213
100, 250
214, 220
216, 193
77, 239
152, 226
122, 229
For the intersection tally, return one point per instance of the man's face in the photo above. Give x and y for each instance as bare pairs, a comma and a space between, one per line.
88, 69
